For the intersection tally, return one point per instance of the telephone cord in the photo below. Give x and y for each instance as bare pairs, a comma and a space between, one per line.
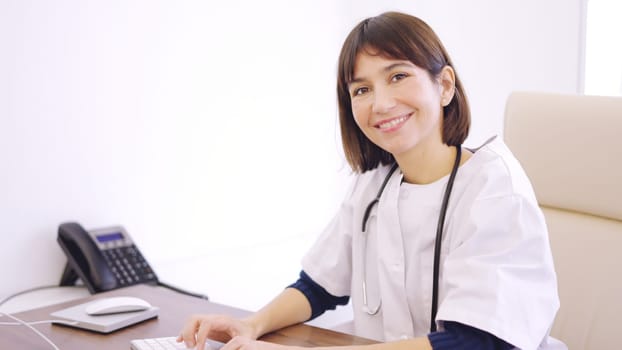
182, 291
29, 325
34, 289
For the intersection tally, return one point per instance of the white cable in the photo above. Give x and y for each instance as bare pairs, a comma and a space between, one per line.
69, 323
33, 290
32, 328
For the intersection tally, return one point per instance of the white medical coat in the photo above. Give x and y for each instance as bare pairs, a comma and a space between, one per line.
496, 268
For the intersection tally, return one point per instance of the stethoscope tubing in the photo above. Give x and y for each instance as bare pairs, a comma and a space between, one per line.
368, 210
439, 237
437, 241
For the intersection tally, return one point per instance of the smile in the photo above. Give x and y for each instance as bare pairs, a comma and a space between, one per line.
392, 123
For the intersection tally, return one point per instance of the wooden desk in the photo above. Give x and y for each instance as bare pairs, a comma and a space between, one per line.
175, 309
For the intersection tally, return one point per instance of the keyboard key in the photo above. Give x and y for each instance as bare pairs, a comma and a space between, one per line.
167, 343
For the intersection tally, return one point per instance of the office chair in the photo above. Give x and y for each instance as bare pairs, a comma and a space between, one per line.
571, 148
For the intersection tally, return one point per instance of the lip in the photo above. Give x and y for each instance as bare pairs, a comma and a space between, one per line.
392, 124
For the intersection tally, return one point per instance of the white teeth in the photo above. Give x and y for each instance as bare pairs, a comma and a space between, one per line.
392, 123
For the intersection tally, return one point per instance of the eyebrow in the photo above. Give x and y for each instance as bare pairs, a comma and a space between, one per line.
385, 69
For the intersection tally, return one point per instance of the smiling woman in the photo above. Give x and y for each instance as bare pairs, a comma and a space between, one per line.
478, 261
362, 89
396, 105
210, 132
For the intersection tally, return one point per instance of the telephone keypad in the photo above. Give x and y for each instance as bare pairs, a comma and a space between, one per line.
128, 265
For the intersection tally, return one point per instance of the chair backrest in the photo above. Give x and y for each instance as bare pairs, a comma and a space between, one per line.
571, 148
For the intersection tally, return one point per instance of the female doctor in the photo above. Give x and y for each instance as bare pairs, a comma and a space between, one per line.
439, 246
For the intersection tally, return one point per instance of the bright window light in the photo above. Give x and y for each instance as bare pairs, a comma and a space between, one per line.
603, 48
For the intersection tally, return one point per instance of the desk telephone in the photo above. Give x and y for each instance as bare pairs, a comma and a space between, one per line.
103, 259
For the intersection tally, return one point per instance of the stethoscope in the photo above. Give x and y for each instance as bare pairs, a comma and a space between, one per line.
437, 242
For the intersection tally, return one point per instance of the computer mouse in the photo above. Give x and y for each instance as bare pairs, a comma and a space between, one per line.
114, 305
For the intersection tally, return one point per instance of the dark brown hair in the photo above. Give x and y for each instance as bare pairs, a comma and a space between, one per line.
404, 37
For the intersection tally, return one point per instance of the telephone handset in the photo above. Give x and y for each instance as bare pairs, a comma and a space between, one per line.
103, 259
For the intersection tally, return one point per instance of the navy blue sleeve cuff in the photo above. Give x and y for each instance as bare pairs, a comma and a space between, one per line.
319, 299
458, 336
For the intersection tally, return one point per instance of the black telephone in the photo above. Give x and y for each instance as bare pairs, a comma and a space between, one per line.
103, 259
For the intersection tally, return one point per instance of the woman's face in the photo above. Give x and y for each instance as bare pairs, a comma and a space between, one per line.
396, 104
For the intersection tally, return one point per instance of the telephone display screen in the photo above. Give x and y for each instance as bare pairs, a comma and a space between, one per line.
109, 237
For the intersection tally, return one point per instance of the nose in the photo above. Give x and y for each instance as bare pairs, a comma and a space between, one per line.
383, 100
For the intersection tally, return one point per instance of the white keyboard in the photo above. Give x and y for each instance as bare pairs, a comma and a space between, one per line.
168, 343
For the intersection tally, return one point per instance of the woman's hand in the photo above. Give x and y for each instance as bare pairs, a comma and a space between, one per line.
289, 307
222, 328
244, 343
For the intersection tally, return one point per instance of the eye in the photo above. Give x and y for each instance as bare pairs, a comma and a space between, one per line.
360, 91
398, 76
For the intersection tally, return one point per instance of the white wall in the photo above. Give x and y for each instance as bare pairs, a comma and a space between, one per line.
192, 124
208, 129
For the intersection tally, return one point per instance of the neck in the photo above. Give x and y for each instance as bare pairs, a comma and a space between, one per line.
424, 166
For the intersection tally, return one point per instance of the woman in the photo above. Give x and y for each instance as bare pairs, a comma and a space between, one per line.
404, 116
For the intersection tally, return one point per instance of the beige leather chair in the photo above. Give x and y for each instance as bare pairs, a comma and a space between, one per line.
571, 149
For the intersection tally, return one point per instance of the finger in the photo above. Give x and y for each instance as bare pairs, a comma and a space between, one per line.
180, 339
201, 335
187, 334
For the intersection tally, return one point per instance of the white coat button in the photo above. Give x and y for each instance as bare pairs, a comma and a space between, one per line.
404, 337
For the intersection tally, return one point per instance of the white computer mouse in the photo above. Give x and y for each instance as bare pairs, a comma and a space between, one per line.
114, 305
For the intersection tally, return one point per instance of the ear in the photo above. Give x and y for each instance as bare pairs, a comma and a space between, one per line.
447, 84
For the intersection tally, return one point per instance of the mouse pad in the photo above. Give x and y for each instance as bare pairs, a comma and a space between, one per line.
76, 316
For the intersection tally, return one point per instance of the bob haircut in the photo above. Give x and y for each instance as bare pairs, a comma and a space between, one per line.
398, 36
